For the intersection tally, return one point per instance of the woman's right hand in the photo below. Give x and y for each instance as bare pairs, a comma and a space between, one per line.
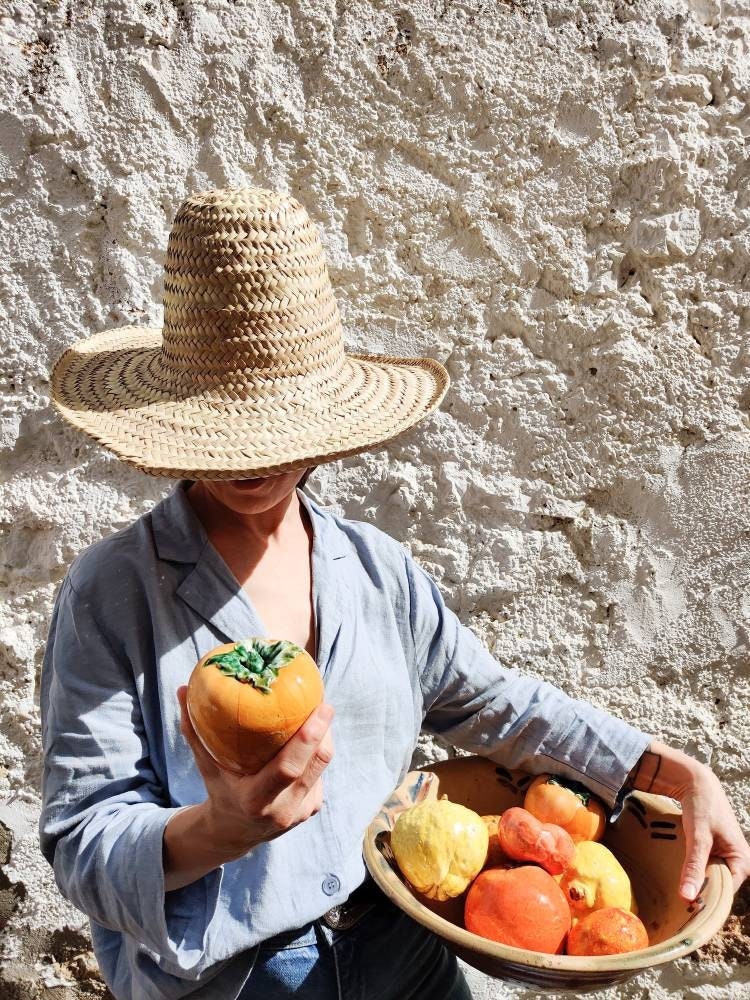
244, 810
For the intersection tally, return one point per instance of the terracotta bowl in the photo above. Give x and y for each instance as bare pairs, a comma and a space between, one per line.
647, 839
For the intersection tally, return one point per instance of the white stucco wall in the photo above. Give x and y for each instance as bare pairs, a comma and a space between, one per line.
551, 198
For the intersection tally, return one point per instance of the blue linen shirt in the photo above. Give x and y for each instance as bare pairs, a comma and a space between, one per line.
132, 617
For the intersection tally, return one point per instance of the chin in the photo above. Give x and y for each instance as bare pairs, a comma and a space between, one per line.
254, 495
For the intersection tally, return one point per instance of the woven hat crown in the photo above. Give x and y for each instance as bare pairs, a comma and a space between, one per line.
247, 296
249, 375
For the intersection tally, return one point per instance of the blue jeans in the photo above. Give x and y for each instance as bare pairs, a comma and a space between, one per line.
385, 956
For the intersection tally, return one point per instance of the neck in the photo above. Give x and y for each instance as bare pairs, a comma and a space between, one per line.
258, 521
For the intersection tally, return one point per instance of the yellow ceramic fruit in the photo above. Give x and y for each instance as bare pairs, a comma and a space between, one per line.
440, 847
596, 879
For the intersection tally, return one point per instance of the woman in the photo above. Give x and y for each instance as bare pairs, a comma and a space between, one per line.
198, 882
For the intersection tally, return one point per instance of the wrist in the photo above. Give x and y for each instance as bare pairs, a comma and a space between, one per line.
229, 835
195, 843
664, 770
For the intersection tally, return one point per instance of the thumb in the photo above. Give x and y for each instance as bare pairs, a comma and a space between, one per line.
186, 725
206, 764
698, 844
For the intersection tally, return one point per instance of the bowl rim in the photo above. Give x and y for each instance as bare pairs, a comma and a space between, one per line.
702, 926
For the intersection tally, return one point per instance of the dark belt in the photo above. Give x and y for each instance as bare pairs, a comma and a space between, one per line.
346, 914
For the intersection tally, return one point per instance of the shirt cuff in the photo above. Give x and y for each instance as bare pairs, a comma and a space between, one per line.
605, 768
624, 792
178, 922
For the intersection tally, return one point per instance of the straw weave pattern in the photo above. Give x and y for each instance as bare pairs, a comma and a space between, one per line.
249, 375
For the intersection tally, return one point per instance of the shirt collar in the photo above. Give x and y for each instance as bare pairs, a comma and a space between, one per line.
179, 535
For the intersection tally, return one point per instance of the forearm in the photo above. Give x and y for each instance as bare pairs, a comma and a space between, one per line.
475, 702
536, 727
195, 844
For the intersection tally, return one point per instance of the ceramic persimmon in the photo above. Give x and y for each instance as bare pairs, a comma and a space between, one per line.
523, 838
247, 699
523, 907
610, 931
439, 846
568, 804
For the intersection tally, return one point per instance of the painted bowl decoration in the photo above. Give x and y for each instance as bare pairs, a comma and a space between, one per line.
647, 839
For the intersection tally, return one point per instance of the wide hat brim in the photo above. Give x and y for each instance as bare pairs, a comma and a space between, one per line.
110, 386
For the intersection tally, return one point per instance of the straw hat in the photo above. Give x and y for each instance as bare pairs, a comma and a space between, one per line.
249, 376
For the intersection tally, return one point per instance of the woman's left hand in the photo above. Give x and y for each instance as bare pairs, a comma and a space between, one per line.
711, 827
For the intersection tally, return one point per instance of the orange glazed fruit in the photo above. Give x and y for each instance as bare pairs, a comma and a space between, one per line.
568, 804
610, 931
523, 907
246, 699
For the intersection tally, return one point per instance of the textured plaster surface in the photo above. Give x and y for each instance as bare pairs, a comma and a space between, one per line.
552, 199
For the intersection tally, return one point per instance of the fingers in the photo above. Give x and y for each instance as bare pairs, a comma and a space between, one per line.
284, 793
736, 854
738, 874
740, 871
311, 779
284, 815
302, 761
310, 803
698, 843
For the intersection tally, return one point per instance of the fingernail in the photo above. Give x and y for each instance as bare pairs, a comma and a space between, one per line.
688, 890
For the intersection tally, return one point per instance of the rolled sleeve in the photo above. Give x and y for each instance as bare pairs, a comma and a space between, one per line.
475, 703
103, 809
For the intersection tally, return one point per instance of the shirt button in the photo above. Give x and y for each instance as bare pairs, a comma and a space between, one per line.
331, 885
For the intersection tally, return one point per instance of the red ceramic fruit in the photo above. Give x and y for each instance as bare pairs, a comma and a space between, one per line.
523, 907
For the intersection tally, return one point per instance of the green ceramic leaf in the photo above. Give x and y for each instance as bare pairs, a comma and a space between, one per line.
255, 661
583, 793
